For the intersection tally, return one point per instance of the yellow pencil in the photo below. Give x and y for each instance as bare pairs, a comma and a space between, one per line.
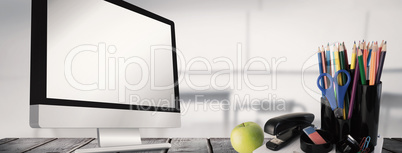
353, 63
337, 63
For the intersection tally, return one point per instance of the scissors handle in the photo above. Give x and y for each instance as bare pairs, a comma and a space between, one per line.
341, 90
329, 92
319, 80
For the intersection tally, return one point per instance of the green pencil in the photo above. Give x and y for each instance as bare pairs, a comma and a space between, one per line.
362, 75
344, 80
342, 62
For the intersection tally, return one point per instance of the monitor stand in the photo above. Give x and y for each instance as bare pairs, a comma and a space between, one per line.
119, 140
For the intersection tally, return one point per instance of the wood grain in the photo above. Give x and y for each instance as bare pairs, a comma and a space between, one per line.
188, 145
23, 144
392, 145
80, 145
223, 145
386, 151
59, 145
94, 144
7, 140
216, 145
397, 139
153, 141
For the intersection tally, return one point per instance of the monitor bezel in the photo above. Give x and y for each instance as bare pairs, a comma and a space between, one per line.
38, 77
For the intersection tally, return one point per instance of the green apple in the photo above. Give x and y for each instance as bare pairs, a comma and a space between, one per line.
247, 137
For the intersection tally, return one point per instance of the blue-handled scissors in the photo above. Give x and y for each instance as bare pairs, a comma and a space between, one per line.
340, 91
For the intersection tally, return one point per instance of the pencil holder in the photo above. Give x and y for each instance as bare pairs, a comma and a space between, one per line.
342, 129
328, 120
339, 128
366, 112
352, 73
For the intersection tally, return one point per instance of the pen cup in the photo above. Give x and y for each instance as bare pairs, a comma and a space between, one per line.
328, 120
352, 74
366, 112
342, 129
339, 128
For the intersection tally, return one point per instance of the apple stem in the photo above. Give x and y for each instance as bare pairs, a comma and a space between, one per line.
244, 125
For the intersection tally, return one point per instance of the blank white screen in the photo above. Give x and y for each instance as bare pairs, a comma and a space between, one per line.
100, 52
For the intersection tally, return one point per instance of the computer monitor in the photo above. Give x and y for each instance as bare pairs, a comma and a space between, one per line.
107, 65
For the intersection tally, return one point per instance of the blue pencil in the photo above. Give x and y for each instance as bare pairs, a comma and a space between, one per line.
369, 55
368, 60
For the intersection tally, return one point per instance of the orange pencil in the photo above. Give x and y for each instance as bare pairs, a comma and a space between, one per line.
372, 68
375, 48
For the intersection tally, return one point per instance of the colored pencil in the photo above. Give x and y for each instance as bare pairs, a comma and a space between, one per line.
337, 62
333, 64
346, 56
375, 67
342, 63
364, 59
361, 64
372, 69
345, 67
353, 60
333, 70
381, 63
328, 55
379, 53
342, 82
320, 67
344, 111
369, 53
354, 86
324, 67
369, 50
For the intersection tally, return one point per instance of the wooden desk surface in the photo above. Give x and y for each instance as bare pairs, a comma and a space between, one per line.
211, 145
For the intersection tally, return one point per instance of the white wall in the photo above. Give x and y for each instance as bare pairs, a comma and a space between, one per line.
289, 30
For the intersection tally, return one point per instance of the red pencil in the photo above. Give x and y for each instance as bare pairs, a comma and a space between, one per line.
378, 54
324, 67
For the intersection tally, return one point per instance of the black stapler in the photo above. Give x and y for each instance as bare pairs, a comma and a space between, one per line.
286, 128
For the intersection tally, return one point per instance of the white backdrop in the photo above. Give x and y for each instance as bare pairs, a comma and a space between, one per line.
289, 30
